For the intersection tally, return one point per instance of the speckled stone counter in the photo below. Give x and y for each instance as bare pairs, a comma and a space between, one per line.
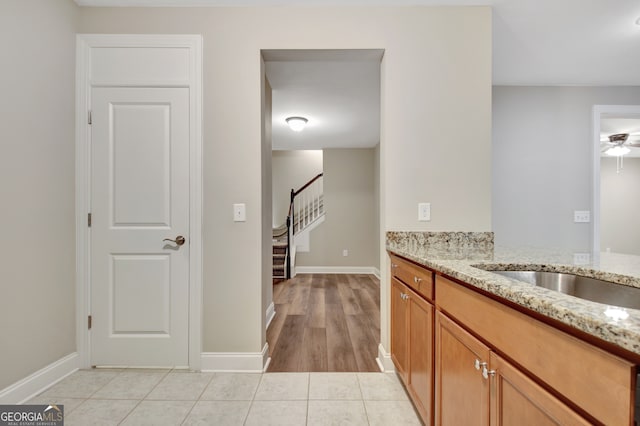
457, 254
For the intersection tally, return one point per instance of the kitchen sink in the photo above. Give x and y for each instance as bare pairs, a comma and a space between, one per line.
592, 289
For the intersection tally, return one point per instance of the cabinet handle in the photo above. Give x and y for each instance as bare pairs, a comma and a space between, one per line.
393, 265
479, 364
486, 372
417, 280
404, 296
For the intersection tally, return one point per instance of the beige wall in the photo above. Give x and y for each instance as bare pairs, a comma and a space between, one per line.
619, 206
435, 80
267, 235
37, 303
291, 170
350, 206
376, 200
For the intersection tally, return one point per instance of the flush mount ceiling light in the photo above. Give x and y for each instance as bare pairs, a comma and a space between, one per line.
638, 21
296, 123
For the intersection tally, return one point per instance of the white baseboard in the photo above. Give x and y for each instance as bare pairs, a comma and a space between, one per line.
336, 270
25, 389
271, 312
236, 362
384, 360
376, 272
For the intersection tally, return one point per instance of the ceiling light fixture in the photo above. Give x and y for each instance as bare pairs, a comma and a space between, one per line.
638, 21
297, 123
617, 151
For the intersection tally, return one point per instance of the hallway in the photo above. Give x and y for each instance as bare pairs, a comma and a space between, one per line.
325, 322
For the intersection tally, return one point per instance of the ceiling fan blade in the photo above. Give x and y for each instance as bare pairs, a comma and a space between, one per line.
633, 144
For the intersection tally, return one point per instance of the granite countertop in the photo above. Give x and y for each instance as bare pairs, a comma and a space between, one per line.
457, 254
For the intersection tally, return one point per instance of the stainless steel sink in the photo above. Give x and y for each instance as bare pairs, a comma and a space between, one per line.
592, 289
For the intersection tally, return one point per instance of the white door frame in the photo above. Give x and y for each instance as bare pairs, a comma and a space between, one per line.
84, 44
598, 112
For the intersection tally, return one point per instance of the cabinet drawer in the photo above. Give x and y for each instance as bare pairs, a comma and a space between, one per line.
596, 381
419, 279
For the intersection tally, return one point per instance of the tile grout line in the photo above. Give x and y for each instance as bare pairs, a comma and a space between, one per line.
204, 389
246, 416
140, 400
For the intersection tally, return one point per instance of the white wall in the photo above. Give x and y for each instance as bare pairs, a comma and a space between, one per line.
435, 81
542, 161
291, 170
37, 106
619, 206
350, 218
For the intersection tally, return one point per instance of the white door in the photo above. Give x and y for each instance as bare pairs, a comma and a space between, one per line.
139, 199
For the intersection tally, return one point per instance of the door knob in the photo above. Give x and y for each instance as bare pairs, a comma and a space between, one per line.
179, 240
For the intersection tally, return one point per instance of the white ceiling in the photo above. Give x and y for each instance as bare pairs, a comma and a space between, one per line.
535, 42
337, 91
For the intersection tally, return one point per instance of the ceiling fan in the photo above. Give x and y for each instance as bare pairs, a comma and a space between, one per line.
618, 144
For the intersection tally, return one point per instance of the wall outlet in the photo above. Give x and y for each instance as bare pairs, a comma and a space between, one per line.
239, 213
581, 216
424, 212
345, 252
581, 258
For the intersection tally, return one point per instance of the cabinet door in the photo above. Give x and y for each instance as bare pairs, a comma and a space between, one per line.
517, 400
462, 393
421, 355
399, 327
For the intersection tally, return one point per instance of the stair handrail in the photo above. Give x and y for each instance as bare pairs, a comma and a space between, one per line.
290, 219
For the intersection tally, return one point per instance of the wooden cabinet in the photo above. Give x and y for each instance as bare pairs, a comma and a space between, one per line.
462, 393
518, 400
475, 386
412, 324
421, 355
598, 382
470, 359
399, 327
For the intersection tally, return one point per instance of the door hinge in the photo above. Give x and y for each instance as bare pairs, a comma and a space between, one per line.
89, 220
89, 320
89, 117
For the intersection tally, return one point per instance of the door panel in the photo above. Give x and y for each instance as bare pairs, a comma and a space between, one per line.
518, 400
141, 280
421, 355
399, 328
141, 135
139, 198
462, 394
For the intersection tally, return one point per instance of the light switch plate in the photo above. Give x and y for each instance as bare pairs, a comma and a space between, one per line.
239, 213
424, 212
581, 216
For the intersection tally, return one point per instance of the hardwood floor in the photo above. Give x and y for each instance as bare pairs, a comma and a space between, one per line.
325, 322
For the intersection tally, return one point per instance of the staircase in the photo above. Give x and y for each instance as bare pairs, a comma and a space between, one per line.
279, 260
306, 211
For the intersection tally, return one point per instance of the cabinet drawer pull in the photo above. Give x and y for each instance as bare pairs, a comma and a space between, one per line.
486, 372
417, 280
478, 364
393, 265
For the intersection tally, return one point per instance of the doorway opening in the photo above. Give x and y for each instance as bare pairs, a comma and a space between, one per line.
616, 165
325, 208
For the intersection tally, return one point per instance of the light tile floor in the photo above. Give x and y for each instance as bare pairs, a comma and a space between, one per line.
174, 397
